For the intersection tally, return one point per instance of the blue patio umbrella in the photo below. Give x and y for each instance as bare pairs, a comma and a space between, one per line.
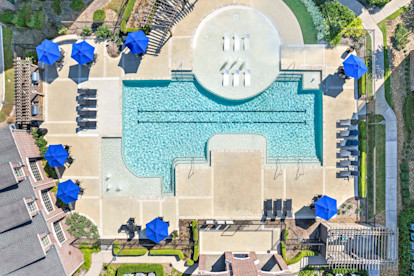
48, 52
68, 191
326, 208
56, 155
355, 67
157, 230
137, 42
82, 52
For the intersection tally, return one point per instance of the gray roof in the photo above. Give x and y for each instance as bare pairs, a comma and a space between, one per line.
48, 266
11, 256
13, 215
36, 226
7, 175
22, 190
8, 149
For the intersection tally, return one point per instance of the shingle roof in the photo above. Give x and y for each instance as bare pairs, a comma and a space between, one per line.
8, 148
48, 266
13, 214
36, 226
7, 175
22, 190
20, 254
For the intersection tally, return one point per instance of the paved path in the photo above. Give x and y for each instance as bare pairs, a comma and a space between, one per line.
105, 257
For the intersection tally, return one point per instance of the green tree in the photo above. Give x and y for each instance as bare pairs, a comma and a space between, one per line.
7, 17
99, 16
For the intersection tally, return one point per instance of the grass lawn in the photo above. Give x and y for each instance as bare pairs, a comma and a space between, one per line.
113, 5
376, 142
9, 73
305, 21
383, 27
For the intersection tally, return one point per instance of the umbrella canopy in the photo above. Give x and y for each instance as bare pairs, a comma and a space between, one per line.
56, 155
48, 52
326, 208
82, 52
68, 191
137, 42
355, 67
157, 230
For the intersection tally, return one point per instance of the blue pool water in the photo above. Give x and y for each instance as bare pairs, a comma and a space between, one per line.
163, 120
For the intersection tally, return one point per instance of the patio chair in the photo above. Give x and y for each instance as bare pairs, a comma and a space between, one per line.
226, 78
349, 148
347, 143
226, 46
278, 208
87, 102
236, 42
269, 209
246, 42
347, 163
87, 92
87, 113
288, 208
87, 124
349, 122
346, 133
236, 78
247, 78
346, 174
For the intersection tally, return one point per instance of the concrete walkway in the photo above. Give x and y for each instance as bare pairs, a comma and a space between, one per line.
105, 257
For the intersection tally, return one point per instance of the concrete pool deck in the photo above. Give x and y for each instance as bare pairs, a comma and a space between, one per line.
109, 211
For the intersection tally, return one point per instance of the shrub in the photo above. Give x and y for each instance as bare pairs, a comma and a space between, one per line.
339, 17
130, 30
116, 250
189, 262
99, 16
283, 250
103, 32
362, 189
285, 234
317, 18
194, 227
379, 3
362, 85
143, 268
32, 55
405, 185
56, 6
404, 167
408, 113
77, 5
7, 17
354, 29
400, 37
406, 201
38, 20
167, 252
300, 255
127, 14
405, 193
404, 176
63, 31
86, 31
196, 253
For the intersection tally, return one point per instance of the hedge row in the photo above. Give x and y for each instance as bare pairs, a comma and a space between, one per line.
283, 250
143, 268
405, 183
363, 185
406, 217
127, 14
196, 253
300, 255
116, 250
167, 252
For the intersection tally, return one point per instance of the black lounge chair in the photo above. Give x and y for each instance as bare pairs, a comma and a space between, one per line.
288, 208
349, 122
87, 113
348, 153
278, 208
87, 102
346, 174
347, 143
87, 92
347, 133
87, 124
351, 148
347, 163
269, 209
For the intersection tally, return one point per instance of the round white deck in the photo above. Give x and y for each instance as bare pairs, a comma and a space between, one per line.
258, 52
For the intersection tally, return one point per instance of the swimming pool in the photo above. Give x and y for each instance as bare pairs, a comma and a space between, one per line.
163, 120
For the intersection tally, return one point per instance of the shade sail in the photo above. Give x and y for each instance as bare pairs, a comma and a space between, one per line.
82, 52
326, 208
56, 155
68, 191
48, 52
137, 42
157, 230
355, 67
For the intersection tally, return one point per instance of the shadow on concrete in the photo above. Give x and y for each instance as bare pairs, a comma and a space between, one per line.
333, 85
190, 270
305, 213
129, 63
50, 73
78, 73
305, 223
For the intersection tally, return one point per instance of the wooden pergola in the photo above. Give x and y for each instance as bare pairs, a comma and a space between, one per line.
22, 85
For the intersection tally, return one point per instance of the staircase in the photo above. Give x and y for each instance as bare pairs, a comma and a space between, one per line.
182, 75
290, 77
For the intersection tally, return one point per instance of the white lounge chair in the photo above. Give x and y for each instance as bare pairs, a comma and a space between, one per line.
226, 46
236, 42
247, 42
226, 78
247, 78
236, 78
